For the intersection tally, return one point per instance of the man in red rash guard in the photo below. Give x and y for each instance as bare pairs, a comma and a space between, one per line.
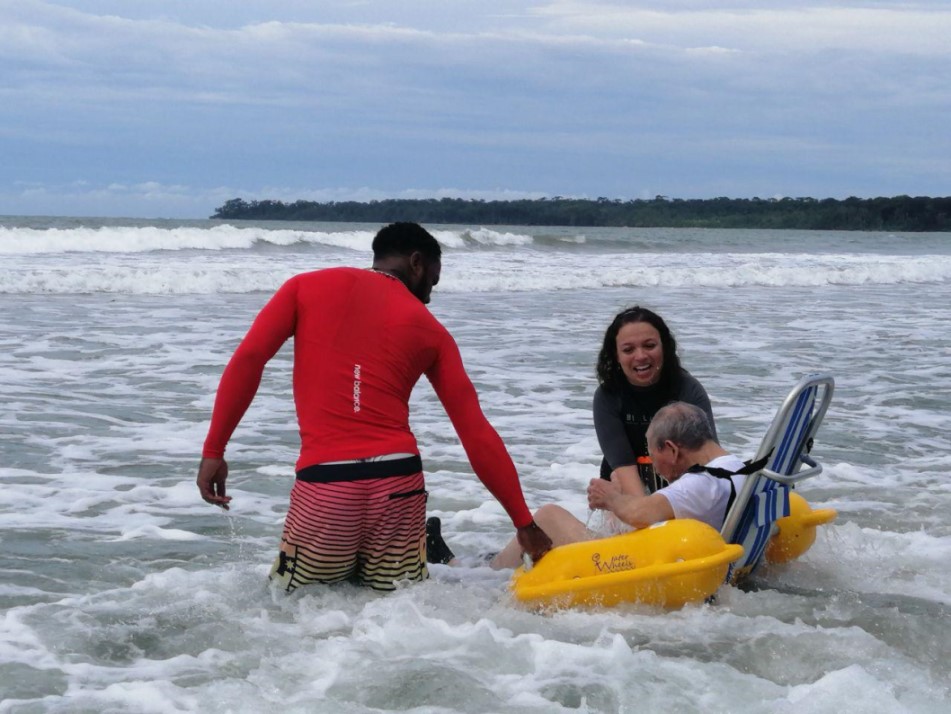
362, 339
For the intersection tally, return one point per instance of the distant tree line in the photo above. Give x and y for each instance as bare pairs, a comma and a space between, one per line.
898, 213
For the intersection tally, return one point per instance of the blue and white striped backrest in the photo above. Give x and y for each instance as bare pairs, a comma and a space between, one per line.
786, 459
764, 501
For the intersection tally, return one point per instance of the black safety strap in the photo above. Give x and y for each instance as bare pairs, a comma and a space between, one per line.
749, 467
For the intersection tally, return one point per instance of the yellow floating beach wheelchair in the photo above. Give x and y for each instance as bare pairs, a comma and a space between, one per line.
684, 561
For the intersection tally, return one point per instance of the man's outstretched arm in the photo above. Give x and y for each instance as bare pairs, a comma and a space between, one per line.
484, 447
239, 383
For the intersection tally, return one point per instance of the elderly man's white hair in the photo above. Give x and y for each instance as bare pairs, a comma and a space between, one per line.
686, 425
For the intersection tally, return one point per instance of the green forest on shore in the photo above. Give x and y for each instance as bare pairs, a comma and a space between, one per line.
898, 213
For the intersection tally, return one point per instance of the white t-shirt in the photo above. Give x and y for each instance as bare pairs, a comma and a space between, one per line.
704, 497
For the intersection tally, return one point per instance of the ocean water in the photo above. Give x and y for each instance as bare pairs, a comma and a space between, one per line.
121, 591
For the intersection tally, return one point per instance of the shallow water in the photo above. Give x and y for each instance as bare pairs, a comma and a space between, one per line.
123, 592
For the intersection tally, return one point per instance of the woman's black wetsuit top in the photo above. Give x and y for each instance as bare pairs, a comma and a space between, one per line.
621, 420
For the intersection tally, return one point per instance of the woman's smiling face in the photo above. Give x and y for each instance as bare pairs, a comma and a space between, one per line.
640, 353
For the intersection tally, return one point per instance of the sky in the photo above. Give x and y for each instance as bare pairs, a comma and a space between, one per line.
168, 108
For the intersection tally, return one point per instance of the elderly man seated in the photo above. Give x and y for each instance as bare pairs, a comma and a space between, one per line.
703, 483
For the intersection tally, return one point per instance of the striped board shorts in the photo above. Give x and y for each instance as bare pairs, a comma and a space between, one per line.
362, 522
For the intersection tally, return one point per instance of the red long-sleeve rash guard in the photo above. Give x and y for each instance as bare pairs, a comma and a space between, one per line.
361, 342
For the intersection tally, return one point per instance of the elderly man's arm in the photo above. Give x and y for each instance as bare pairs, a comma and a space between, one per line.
638, 511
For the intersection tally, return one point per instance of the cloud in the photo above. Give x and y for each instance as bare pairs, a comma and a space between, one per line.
348, 64
562, 97
148, 199
809, 27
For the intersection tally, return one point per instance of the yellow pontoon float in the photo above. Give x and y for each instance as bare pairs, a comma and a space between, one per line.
668, 564
684, 561
796, 532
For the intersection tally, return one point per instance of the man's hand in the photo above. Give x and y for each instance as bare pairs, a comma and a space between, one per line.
533, 540
602, 494
212, 474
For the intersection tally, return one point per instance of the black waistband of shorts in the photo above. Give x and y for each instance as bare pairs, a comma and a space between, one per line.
360, 470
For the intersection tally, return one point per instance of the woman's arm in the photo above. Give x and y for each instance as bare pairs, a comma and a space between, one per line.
629, 480
609, 428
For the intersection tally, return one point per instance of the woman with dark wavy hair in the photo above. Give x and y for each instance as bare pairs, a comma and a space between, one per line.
638, 373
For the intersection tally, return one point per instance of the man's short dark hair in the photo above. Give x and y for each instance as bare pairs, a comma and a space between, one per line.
405, 238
